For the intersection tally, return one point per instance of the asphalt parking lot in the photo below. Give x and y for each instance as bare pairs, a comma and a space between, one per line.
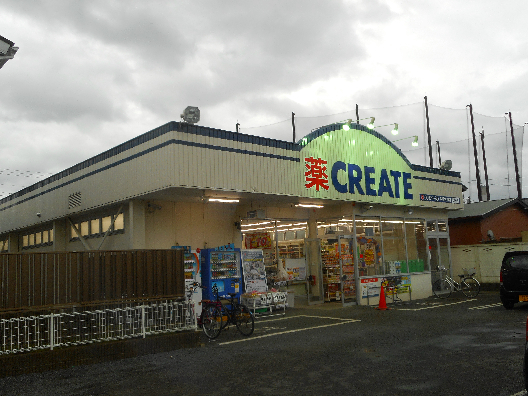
428, 347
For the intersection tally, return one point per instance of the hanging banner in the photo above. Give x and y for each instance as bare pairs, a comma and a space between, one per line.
254, 270
258, 240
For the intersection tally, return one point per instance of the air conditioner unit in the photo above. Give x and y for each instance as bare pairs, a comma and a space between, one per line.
256, 214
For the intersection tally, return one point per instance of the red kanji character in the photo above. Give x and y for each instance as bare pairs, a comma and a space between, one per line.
315, 175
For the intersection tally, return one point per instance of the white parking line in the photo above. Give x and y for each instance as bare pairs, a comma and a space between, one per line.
342, 321
521, 393
436, 306
487, 306
262, 319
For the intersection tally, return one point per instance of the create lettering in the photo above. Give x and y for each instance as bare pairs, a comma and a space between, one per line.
363, 181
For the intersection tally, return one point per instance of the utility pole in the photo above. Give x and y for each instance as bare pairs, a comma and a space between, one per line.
517, 177
485, 165
293, 126
428, 134
475, 154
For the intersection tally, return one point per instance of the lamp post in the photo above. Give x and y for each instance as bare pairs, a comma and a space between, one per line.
7, 50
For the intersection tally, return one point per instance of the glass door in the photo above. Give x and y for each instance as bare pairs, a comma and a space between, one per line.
314, 273
439, 257
346, 267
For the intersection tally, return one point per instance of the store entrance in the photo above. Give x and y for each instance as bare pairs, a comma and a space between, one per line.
314, 278
439, 257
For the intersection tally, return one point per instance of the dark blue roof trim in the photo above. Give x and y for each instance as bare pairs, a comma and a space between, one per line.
437, 180
339, 125
149, 150
220, 134
155, 133
436, 171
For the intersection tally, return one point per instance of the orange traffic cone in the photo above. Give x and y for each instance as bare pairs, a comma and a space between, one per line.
382, 303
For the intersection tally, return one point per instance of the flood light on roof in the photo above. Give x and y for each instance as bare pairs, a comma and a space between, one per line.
191, 114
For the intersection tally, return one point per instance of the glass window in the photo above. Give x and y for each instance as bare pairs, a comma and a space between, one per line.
392, 228
38, 238
95, 226
368, 233
433, 249
520, 261
119, 223
73, 232
289, 235
50, 235
45, 236
443, 251
431, 225
31, 239
368, 226
25, 241
417, 247
85, 229
394, 255
442, 225
300, 234
107, 221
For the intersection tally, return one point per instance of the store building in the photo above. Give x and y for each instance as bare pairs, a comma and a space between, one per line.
342, 208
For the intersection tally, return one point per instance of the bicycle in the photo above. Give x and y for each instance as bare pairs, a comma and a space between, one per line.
392, 286
443, 287
214, 311
190, 316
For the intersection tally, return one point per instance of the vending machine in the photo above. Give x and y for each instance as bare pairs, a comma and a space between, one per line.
221, 267
191, 268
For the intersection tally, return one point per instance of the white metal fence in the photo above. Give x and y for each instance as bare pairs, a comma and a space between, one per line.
30, 333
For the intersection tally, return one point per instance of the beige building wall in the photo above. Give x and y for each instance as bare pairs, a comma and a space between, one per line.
199, 225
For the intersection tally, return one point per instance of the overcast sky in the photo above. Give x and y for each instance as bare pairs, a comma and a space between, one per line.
90, 75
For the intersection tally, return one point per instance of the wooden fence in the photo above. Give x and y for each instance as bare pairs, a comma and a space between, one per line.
35, 280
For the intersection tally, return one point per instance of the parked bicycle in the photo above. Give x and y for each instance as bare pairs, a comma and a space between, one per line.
190, 315
392, 287
216, 316
443, 287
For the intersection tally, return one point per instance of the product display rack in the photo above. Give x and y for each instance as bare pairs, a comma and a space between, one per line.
331, 273
349, 284
291, 249
190, 266
333, 283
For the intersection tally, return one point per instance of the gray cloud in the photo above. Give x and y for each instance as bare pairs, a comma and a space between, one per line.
90, 75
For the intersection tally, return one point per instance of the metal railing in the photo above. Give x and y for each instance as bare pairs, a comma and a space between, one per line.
48, 331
